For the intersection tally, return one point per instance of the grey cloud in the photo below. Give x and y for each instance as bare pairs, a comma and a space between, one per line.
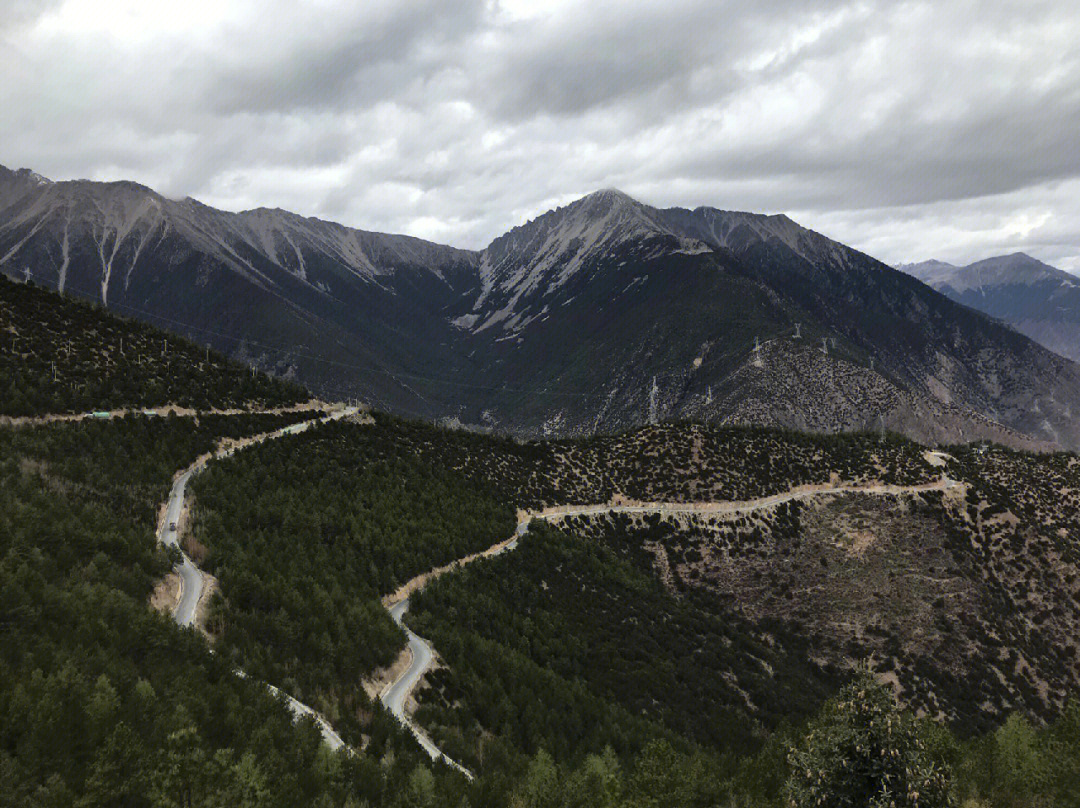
910, 129
626, 50
364, 53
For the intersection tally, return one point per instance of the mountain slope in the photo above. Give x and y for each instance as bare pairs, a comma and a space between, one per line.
59, 355
599, 315
293, 295
660, 320
1034, 298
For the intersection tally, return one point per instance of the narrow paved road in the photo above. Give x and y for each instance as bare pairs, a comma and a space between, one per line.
191, 576
191, 580
396, 695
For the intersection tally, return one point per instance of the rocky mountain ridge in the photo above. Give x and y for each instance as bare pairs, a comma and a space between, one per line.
599, 315
1035, 298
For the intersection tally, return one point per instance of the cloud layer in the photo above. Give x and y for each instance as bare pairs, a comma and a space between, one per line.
908, 129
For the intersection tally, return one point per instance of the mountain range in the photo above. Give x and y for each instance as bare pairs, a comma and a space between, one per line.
599, 315
1034, 298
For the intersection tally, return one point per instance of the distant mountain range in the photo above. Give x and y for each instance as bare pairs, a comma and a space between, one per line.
1034, 298
599, 315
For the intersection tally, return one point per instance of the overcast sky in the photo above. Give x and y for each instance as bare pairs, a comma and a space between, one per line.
911, 130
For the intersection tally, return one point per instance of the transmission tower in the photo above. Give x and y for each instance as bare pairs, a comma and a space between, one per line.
653, 395
825, 345
798, 331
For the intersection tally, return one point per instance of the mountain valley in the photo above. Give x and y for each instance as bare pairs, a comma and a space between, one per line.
598, 316
683, 602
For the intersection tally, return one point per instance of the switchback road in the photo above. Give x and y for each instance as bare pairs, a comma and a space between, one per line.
395, 696
191, 577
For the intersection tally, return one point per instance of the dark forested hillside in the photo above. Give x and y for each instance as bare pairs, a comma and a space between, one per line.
303, 559
103, 701
575, 670
601, 626
60, 355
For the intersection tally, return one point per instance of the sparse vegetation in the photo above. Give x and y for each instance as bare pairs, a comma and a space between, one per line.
60, 355
670, 462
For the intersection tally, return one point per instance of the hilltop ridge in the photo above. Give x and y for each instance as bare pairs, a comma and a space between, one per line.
600, 315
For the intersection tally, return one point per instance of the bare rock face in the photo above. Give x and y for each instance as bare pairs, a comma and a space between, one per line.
600, 315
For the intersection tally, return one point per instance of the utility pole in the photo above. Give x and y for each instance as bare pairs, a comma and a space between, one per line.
871, 363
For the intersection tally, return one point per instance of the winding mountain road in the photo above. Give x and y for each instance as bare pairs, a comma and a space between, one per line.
191, 577
395, 696
191, 580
